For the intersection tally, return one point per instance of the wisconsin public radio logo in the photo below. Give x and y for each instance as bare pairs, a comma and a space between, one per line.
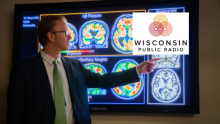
160, 26
161, 33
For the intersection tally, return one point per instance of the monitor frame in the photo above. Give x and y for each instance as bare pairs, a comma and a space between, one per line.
194, 18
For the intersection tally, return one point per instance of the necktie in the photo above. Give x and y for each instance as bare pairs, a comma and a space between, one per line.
58, 96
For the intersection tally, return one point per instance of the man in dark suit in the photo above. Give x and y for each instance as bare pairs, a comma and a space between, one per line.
48, 88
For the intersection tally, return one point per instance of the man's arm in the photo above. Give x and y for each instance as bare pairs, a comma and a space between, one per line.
15, 96
109, 80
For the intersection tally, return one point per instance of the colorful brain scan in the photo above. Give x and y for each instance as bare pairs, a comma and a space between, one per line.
98, 68
165, 86
130, 91
73, 34
93, 34
167, 61
122, 34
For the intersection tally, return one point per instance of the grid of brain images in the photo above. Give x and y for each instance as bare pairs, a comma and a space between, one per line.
96, 33
130, 91
98, 68
126, 92
165, 84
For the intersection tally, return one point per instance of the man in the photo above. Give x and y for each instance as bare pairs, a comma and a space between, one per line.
48, 88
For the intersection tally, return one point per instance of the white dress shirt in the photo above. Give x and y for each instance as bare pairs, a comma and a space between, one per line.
48, 62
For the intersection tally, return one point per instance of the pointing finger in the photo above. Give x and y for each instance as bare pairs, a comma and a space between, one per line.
153, 60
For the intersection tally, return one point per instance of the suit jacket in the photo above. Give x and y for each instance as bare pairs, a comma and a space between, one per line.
29, 95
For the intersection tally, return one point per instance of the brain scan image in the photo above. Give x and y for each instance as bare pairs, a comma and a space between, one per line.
73, 34
98, 68
122, 34
165, 86
93, 34
130, 91
167, 61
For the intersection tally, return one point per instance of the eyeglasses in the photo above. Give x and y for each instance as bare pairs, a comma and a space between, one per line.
65, 32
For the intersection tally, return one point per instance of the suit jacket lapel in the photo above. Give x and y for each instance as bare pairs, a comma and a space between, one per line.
43, 74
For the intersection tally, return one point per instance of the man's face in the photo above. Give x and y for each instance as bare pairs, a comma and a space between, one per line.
61, 40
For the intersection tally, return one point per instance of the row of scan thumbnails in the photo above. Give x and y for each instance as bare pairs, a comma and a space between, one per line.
164, 85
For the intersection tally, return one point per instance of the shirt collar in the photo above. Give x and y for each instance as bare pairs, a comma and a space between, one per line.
48, 58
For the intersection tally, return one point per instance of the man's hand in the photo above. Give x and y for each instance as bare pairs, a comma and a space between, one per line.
147, 66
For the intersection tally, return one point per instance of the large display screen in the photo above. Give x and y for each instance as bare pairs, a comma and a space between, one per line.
102, 38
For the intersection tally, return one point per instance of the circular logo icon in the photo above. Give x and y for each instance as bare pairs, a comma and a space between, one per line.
160, 26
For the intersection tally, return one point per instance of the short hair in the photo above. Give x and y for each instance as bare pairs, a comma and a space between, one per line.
46, 25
